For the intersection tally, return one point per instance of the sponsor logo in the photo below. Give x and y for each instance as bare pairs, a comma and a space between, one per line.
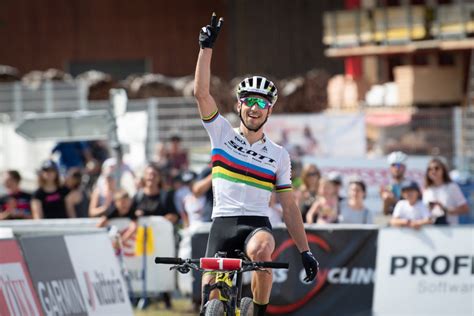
436, 265
250, 152
15, 294
331, 275
102, 289
61, 297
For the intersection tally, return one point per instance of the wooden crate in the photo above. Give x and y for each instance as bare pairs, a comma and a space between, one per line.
428, 85
453, 20
392, 24
341, 28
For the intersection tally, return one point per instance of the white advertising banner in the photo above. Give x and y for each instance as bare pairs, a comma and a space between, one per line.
135, 142
375, 173
15, 291
322, 135
160, 242
98, 274
425, 272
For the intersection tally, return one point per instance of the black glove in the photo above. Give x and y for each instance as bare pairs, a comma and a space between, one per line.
310, 264
208, 34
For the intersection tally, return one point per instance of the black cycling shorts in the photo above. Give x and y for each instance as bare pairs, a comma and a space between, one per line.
232, 233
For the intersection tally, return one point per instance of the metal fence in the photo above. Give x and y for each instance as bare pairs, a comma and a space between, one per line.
431, 131
166, 116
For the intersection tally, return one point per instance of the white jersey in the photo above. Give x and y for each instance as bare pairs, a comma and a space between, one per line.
244, 175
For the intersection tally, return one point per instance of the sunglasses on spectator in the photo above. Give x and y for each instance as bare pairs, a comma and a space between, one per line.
313, 174
436, 168
397, 165
251, 101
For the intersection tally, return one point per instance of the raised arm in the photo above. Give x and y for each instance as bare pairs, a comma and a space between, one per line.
202, 78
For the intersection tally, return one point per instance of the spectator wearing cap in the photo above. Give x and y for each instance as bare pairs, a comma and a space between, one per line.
443, 196
51, 199
391, 194
352, 210
16, 204
410, 211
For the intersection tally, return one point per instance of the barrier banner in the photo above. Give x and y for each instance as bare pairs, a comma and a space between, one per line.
425, 272
53, 275
159, 242
346, 279
76, 275
17, 296
99, 275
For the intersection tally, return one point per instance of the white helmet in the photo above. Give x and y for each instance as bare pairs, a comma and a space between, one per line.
257, 85
397, 157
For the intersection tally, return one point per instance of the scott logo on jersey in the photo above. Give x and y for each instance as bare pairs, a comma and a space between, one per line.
250, 152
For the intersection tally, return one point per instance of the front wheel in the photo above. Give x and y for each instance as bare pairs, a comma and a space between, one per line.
214, 308
246, 306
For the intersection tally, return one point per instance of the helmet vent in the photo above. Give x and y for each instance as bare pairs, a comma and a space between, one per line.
267, 83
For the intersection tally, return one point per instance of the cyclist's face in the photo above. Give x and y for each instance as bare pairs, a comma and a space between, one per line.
254, 115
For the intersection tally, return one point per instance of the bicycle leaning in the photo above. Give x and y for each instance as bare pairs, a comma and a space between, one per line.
228, 281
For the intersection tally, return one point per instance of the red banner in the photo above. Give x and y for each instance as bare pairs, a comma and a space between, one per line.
17, 296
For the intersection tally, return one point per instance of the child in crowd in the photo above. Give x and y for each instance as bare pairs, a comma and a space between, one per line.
410, 211
121, 208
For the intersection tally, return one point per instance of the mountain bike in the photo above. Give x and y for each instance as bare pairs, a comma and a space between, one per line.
228, 281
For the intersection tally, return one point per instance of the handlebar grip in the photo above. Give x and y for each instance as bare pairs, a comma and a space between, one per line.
274, 265
168, 260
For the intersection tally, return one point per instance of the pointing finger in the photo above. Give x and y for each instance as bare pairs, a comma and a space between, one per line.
220, 23
214, 19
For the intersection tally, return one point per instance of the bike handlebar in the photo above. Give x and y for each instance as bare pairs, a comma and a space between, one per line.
259, 264
169, 260
273, 265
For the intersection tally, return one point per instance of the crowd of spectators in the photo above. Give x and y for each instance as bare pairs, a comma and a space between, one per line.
166, 187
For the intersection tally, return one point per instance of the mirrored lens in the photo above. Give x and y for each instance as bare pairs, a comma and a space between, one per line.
263, 104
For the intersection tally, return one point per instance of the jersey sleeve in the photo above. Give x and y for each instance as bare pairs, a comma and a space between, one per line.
215, 125
283, 174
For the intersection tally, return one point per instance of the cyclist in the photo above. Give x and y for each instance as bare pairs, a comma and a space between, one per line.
246, 168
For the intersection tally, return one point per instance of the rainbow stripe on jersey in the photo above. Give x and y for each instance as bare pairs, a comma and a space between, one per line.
229, 168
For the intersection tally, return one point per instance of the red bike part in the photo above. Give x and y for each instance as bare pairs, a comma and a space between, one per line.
226, 264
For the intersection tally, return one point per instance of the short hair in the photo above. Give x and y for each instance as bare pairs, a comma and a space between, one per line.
15, 175
121, 194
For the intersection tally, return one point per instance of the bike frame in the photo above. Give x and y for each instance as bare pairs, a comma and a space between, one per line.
229, 294
225, 270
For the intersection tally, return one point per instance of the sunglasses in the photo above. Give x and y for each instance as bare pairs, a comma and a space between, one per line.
313, 174
397, 165
435, 168
251, 101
